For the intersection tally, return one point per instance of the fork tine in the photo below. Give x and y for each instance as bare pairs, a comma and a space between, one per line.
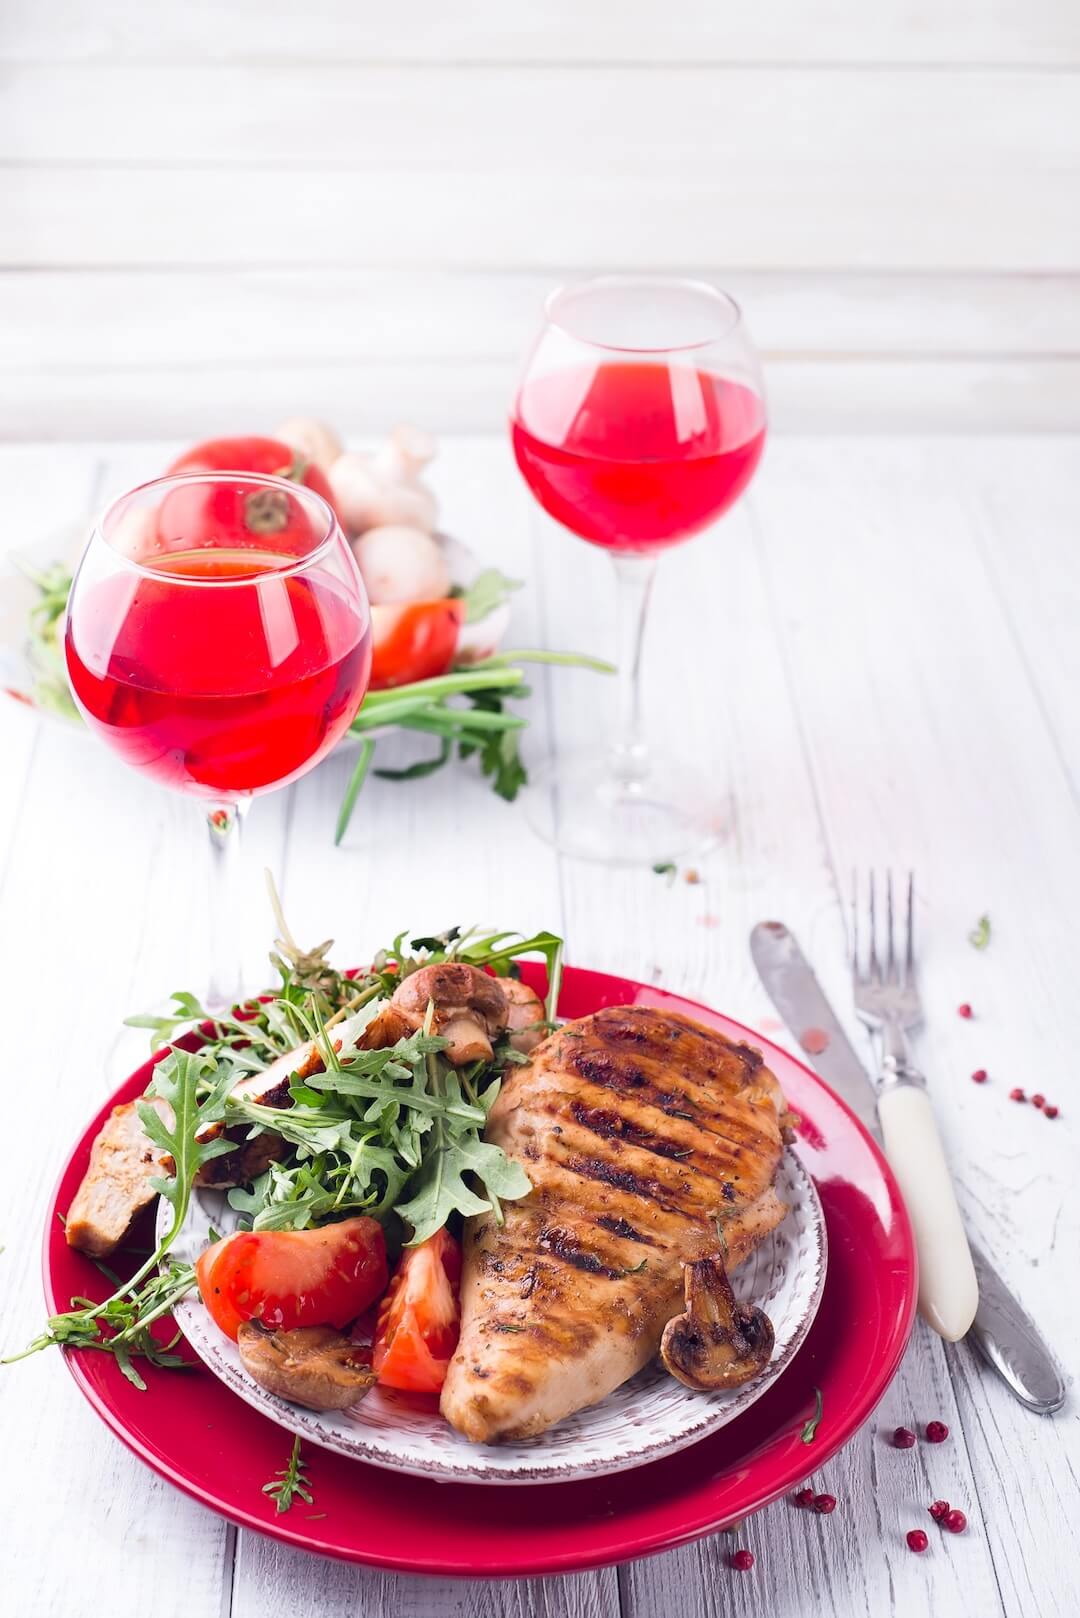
909, 954
890, 965
875, 970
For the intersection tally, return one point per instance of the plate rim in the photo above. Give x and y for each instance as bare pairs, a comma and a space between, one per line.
697, 1514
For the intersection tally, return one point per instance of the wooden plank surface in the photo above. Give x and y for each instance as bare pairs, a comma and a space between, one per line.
1029, 32
186, 353
147, 164
873, 655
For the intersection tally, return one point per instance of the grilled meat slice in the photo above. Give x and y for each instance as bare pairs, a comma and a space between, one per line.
116, 1186
651, 1141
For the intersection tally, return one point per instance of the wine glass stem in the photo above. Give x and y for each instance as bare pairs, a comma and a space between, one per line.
224, 822
634, 574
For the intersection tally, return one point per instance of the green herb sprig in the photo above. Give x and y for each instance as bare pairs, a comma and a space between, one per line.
291, 1483
979, 936
121, 1324
809, 1432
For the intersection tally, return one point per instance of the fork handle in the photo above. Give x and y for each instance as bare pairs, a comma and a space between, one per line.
948, 1290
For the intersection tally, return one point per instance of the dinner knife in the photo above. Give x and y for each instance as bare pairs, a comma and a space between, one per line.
1002, 1332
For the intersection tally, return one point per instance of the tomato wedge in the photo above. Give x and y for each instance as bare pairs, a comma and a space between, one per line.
288, 1278
419, 1318
414, 641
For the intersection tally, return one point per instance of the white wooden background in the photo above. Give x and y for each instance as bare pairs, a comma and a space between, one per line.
213, 215
878, 654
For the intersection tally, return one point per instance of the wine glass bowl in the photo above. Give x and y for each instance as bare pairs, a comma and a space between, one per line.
218, 634
639, 420
218, 639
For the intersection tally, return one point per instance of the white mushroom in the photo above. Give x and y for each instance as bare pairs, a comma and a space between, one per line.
314, 439
367, 500
404, 455
401, 564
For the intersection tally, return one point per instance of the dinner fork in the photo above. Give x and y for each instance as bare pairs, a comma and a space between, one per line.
887, 1002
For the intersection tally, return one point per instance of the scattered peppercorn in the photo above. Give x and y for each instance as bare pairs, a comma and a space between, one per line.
964, 1010
1038, 1100
742, 1560
917, 1540
804, 1497
1050, 1112
1017, 1094
939, 1510
937, 1432
954, 1521
692, 876
979, 1075
903, 1438
824, 1503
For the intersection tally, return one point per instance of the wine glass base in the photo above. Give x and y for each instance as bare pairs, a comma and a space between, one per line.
647, 811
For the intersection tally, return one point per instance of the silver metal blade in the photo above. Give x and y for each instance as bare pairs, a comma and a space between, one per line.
1005, 1336
800, 1000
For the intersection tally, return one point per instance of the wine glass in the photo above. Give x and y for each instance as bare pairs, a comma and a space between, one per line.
218, 638
639, 419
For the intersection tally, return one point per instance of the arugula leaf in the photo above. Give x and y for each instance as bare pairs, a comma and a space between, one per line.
151, 1293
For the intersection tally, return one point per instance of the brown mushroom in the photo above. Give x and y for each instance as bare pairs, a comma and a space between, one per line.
525, 1016
470, 1008
717, 1343
313, 1366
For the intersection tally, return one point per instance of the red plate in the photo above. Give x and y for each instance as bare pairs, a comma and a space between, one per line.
202, 1438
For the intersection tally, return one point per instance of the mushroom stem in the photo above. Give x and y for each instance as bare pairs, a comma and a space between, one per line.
717, 1343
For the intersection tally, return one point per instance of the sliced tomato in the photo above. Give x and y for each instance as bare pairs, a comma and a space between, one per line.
288, 1278
220, 1305
415, 640
419, 1318
252, 454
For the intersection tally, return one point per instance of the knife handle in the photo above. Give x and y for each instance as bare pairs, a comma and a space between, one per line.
948, 1290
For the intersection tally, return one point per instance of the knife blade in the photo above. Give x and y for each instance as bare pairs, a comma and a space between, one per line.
1002, 1332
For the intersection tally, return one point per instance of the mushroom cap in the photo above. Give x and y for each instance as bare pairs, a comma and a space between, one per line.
470, 1007
717, 1343
457, 990
314, 1366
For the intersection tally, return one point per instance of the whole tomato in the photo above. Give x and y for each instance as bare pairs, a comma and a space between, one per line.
193, 517
265, 455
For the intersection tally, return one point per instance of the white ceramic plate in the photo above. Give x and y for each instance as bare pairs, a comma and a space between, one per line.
649, 1416
19, 673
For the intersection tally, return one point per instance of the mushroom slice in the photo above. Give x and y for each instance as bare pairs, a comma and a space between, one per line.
717, 1343
525, 1017
470, 1008
314, 1366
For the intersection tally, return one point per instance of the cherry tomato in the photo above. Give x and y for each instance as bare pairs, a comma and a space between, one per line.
288, 1278
414, 641
265, 455
419, 1318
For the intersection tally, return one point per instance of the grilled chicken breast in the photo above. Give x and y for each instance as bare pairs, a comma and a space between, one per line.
650, 1141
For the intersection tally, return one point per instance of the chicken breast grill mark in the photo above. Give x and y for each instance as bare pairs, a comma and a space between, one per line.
651, 1142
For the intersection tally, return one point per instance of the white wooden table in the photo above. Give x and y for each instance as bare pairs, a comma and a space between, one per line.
878, 655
